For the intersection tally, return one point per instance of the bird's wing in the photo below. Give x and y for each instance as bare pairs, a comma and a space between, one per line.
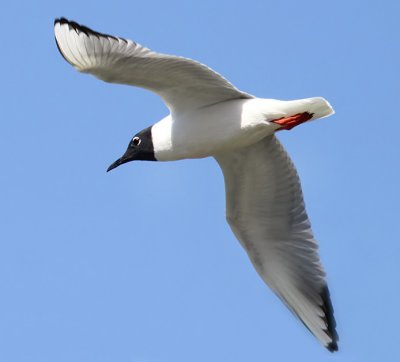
266, 212
184, 84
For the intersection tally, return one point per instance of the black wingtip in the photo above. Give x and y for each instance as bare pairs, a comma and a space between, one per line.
332, 347
84, 29
329, 319
61, 20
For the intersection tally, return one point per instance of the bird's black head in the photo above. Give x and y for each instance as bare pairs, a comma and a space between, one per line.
140, 148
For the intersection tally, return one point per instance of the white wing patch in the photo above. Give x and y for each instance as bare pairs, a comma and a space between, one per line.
266, 212
184, 84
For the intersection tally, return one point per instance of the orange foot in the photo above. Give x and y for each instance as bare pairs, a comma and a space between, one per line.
292, 121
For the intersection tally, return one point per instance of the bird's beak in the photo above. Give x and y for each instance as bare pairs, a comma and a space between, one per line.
129, 155
116, 164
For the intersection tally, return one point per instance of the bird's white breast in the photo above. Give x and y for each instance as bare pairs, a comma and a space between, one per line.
213, 129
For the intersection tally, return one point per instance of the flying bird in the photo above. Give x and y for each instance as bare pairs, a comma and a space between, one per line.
209, 117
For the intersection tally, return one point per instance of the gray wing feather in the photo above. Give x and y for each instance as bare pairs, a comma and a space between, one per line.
266, 212
184, 84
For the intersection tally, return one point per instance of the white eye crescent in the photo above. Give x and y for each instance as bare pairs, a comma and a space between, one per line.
136, 141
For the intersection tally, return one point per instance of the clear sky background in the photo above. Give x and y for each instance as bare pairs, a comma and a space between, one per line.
139, 265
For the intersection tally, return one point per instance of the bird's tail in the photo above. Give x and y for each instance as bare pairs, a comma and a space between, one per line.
293, 113
318, 107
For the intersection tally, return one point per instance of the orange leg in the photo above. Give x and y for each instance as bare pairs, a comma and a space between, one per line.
292, 121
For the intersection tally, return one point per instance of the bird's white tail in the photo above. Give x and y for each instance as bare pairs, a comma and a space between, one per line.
319, 107
300, 111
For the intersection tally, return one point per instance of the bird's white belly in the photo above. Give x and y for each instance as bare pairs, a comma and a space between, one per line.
210, 130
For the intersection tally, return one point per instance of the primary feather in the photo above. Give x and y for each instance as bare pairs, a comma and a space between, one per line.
183, 83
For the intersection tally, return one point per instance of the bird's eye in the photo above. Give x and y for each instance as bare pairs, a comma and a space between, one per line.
136, 141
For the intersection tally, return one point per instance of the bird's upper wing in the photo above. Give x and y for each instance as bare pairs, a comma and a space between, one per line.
266, 212
184, 84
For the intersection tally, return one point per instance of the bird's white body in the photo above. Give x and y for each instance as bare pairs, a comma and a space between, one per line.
211, 117
226, 126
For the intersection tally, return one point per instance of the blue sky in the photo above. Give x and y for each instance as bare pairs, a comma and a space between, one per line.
138, 265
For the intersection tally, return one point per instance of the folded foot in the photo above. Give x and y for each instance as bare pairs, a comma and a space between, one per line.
292, 121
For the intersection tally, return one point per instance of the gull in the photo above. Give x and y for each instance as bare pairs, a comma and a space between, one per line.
209, 117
